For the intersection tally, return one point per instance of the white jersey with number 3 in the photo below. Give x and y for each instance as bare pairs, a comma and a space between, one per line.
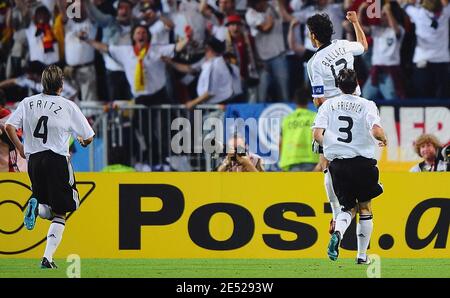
347, 120
324, 66
48, 121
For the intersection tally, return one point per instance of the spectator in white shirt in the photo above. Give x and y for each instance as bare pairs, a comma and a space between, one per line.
266, 26
115, 31
431, 55
159, 25
42, 43
146, 75
144, 68
385, 77
215, 83
32, 80
80, 68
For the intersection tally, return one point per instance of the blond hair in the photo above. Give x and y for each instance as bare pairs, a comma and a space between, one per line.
52, 79
424, 139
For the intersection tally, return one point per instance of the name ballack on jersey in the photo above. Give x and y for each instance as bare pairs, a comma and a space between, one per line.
332, 55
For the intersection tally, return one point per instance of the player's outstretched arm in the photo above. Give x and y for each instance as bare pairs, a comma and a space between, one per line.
360, 35
12, 134
378, 133
86, 142
318, 135
101, 47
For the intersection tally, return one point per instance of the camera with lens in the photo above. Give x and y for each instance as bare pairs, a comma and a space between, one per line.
238, 150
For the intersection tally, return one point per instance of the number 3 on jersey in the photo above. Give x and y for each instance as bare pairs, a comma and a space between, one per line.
42, 124
346, 129
333, 71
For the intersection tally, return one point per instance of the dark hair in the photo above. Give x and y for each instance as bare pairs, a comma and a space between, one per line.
52, 79
42, 10
302, 96
253, 3
125, 1
35, 67
322, 27
216, 45
140, 26
347, 81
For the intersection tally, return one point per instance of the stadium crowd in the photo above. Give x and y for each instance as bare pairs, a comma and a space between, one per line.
260, 57
226, 51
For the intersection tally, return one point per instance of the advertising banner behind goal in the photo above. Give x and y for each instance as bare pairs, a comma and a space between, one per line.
227, 215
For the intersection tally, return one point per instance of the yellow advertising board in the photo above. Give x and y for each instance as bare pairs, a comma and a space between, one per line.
226, 215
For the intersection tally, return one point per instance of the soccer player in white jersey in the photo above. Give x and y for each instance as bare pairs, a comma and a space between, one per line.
47, 121
346, 126
323, 67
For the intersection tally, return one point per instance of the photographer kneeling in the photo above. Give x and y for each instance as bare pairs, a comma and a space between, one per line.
238, 159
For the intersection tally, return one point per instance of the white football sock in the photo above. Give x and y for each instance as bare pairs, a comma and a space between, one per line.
363, 232
343, 221
54, 237
332, 198
45, 211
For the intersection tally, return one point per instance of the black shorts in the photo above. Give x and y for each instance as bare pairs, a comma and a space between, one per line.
53, 181
355, 180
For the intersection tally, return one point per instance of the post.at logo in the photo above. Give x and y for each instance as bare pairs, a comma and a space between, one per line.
74, 268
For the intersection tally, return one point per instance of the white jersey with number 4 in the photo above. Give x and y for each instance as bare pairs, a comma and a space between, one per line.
324, 66
347, 120
48, 121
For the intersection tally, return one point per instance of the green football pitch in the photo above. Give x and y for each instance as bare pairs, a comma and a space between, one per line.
228, 268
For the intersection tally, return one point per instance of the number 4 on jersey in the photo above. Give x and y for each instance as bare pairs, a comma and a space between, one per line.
42, 122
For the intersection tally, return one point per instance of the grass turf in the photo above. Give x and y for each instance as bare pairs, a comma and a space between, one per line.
227, 268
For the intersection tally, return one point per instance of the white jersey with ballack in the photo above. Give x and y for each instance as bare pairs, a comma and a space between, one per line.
347, 120
324, 66
48, 121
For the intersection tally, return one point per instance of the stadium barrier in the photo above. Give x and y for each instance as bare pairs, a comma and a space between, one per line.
136, 128
226, 215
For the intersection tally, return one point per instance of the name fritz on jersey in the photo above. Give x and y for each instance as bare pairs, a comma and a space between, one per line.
44, 106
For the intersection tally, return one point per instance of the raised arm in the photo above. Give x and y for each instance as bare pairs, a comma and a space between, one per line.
360, 35
62, 7
293, 45
96, 15
283, 11
391, 20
